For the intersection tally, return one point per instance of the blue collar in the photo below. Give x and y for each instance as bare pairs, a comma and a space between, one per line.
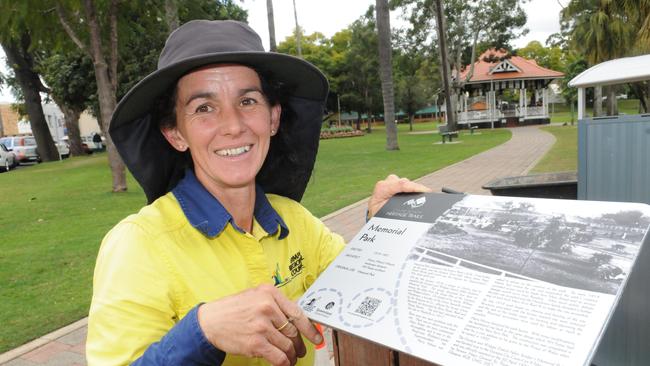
207, 215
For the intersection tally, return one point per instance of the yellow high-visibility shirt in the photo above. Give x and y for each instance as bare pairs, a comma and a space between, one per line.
154, 266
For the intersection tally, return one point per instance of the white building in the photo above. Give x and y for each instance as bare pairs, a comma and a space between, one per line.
56, 122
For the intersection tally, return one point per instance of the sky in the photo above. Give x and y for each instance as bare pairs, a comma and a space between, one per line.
331, 16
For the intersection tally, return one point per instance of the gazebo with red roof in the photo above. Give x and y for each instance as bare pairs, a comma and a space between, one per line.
483, 98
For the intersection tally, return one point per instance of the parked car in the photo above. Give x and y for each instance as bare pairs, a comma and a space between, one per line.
23, 147
84, 146
7, 159
94, 143
63, 148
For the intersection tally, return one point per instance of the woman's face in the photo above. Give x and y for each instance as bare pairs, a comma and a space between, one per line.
225, 121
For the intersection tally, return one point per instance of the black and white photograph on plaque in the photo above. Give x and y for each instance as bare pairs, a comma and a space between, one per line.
583, 245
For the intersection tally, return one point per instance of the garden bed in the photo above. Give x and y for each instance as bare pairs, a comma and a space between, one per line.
335, 133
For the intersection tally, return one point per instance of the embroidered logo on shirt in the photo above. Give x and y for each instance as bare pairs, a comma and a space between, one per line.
295, 268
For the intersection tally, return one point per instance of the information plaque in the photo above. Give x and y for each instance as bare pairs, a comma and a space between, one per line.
483, 280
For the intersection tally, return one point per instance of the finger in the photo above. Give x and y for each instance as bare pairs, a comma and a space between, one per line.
299, 320
291, 332
272, 354
285, 335
285, 344
410, 186
277, 323
391, 177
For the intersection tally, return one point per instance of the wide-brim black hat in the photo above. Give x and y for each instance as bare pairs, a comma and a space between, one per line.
158, 167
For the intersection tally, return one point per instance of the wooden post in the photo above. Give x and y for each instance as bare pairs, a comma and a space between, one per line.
354, 351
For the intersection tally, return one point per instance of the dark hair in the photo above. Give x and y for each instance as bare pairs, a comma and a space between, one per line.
284, 153
164, 108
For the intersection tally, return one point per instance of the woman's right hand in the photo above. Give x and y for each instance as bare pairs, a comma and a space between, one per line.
259, 322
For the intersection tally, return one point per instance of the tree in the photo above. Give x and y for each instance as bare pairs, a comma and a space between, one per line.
630, 218
94, 29
356, 77
416, 78
386, 72
315, 48
171, 14
102, 47
571, 94
550, 57
601, 31
17, 41
22, 62
444, 64
490, 23
271, 22
70, 79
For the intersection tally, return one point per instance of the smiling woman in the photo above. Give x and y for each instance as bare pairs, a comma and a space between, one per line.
224, 120
223, 139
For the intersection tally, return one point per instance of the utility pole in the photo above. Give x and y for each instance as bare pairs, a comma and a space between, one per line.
444, 63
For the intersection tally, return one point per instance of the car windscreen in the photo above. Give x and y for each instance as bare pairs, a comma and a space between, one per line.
6, 142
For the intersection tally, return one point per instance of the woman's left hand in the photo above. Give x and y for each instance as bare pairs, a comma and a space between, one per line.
387, 188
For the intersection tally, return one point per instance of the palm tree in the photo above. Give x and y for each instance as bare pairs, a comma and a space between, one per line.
638, 12
269, 16
639, 16
601, 32
386, 72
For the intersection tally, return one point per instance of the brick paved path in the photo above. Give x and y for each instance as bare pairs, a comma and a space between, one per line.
65, 347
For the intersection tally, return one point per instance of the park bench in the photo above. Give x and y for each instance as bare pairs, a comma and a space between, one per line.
471, 129
444, 132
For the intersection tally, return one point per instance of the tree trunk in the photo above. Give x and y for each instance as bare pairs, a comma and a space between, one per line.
106, 94
598, 101
295, 15
640, 90
271, 21
71, 117
386, 73
21, 62
411, 118
369, 120
171, 14
445, 68
358, 121
472, 60
612, 103
368, 102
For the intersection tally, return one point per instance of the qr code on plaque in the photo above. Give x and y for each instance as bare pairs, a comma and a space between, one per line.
368, 306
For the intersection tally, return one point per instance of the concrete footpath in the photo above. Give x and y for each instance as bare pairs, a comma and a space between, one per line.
66, 346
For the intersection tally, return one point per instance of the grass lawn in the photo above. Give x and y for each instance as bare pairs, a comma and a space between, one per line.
53, 216
348, 168
563, 156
